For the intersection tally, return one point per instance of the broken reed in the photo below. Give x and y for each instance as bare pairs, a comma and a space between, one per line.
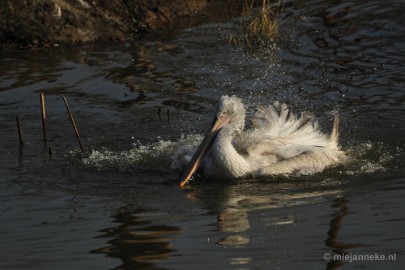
20, 134
73, 124
259, 25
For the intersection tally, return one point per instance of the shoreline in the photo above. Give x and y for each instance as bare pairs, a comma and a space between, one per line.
39, 24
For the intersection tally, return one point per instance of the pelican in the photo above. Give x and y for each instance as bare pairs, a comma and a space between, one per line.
278, 143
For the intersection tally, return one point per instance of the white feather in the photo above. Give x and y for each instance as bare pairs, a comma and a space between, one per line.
278, 143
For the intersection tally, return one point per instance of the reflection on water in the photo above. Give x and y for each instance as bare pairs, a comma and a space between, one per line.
236, 217
140, 240
155, 86
234, 222
336, 224
239, 202
248, 224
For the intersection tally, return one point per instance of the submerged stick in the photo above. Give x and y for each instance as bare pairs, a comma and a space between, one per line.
20, 136
73, 124
158, 112
43, 115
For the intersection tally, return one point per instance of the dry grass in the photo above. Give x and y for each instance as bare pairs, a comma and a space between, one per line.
259, 26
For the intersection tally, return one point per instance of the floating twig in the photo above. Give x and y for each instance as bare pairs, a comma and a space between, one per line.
73, 124
43, 116
20, 135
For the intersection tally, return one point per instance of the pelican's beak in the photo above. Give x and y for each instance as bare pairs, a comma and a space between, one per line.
199, 155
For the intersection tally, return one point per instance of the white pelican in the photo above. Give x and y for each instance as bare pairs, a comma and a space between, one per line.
279, 143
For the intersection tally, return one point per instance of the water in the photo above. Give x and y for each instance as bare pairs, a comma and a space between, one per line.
117, 205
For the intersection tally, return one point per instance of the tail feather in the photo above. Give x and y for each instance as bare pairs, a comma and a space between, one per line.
334, 136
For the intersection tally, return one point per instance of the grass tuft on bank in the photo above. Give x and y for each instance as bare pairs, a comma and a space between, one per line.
260, 24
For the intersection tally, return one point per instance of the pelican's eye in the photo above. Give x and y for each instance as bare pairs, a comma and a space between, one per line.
223, 114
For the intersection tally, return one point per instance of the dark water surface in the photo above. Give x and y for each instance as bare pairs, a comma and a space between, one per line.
117, 205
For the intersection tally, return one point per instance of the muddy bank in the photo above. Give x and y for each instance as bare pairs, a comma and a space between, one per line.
53, 22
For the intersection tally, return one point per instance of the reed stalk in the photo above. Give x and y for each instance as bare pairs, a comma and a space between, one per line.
73, 124
20, 134
43, 112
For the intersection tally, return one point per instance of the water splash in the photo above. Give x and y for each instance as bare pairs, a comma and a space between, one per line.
368, 158
365, 158
159, 153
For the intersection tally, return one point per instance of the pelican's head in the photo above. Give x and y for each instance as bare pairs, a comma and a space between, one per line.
229, 113
230, 110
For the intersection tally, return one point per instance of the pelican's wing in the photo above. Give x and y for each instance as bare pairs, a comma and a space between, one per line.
278, 135
277, 120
